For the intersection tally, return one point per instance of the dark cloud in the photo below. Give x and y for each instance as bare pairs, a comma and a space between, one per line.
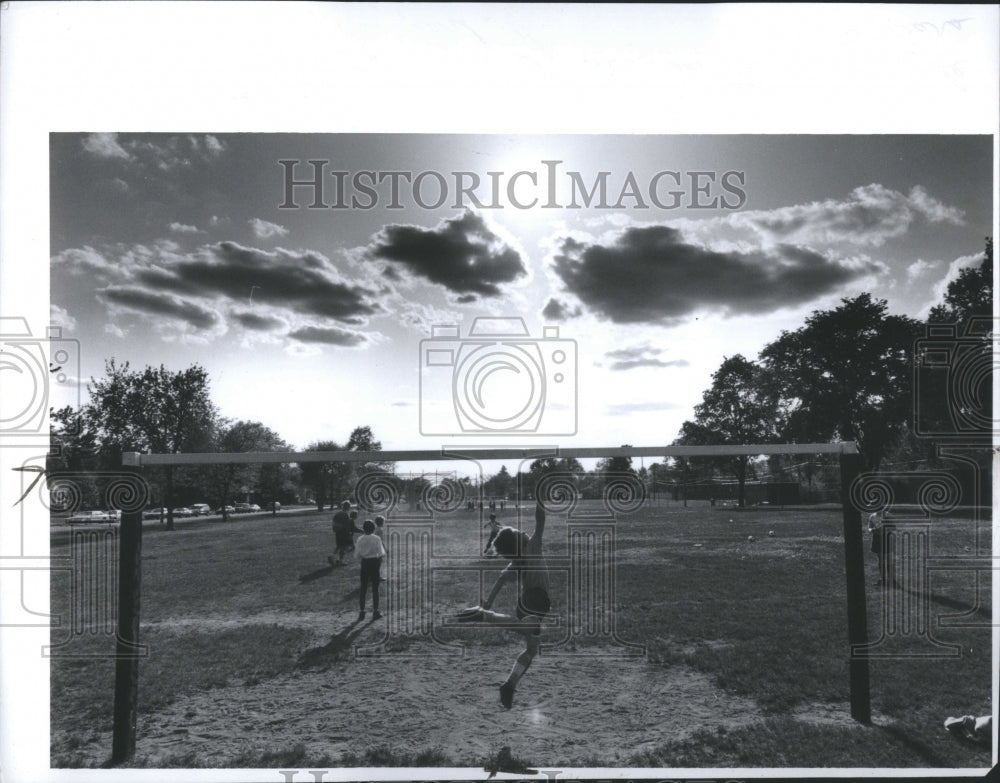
651, 274
641, 356
257, 322
462, 254
327, 336
305, 282
555, 310
152, 303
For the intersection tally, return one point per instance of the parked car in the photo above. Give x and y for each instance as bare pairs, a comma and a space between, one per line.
226, 509
242, 508
154, 513
272, 506
201, 509
254, 507
183, 511
82, 517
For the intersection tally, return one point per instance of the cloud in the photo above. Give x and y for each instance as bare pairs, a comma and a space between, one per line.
422, 317
207, 290
641, 356
105, 145
257, 322
264, 229
920, 267
306, 282
328, 336
462, 254
182, 228
59, 316
869, 216
114, 330
213, 145
84, 261
152, 303
626, 408
556, 310
651, 274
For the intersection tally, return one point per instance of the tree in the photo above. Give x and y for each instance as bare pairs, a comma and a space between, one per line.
968, 295
325, 479
153, 410
615, 464
846, 374
500, 484
956, 396
236, 438
542, 467
331, 481
735, 410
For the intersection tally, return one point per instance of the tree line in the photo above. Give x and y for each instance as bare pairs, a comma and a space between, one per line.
156, 410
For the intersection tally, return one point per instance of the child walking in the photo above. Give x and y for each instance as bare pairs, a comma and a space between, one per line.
369, 550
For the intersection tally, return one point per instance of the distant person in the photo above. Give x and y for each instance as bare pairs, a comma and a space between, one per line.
528, 569
369, 551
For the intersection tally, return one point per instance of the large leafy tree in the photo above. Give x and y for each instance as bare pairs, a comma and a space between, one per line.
846, 374
539, 468
737, 409
152, 410
500, 484
968, 295
956, 397
331, 482
235, 438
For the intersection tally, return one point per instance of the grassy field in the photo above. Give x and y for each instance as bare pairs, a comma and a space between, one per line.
251, 659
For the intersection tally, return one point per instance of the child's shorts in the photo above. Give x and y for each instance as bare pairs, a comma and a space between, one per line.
533, 602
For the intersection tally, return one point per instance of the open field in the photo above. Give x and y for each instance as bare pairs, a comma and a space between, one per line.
744, 664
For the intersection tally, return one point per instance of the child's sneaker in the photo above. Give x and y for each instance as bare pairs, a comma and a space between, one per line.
507, 695
470, 615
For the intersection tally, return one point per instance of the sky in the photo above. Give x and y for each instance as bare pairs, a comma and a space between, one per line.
368, 303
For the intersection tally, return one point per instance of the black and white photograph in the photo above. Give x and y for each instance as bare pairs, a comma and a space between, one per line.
347, 449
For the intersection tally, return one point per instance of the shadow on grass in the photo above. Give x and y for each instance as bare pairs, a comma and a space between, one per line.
335, 650
916, 746
951, 603
319, 573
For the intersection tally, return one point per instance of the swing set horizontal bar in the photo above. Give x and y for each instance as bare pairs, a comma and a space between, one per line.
135, 459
